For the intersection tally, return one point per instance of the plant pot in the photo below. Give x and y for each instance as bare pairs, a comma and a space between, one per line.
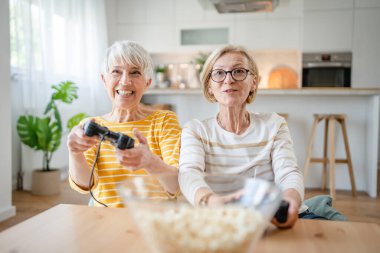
46, 182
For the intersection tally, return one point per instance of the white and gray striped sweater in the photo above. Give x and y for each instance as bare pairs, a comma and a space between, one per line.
264, 150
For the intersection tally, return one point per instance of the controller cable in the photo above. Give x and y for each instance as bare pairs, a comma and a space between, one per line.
93, 168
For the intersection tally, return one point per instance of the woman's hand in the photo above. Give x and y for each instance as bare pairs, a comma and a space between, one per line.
137, 157
216, 200
78, 142
292, 214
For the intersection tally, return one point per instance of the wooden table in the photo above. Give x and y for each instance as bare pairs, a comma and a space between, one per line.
73, 228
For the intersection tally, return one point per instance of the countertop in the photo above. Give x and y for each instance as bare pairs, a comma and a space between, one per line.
300, 91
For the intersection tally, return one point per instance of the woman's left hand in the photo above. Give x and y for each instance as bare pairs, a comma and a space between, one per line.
138, 157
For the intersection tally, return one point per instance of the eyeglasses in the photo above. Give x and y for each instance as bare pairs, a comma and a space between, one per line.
219, 75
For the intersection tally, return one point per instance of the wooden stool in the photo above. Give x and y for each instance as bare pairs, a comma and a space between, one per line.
329, 149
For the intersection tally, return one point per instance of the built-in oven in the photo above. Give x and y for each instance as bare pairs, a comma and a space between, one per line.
326, 69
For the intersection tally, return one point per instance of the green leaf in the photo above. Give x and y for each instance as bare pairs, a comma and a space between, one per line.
75, 120
65, 92
27, 127
49, 106
44, 133
57, 116
56, 136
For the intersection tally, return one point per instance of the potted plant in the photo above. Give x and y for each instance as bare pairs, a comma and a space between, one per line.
200, 60
161, 71
45, 133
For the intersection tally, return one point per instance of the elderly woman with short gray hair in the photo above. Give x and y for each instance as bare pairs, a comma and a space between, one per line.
126, 76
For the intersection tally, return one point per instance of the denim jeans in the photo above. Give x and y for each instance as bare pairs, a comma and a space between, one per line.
310, 215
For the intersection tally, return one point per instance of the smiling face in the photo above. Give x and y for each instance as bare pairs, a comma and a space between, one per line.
125, 85
230, 92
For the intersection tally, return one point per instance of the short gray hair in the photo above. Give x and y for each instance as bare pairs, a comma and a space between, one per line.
128, 52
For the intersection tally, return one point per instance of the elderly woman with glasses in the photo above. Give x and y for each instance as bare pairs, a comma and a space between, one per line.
98, 168
236, 141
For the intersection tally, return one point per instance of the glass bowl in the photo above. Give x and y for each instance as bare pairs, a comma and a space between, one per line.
175, 226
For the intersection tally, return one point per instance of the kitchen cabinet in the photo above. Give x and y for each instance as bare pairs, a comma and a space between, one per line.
188, 10
161, 11
153, 37
132, 12
157, 25
366, 49
312, 5
327, 30
201, 25
367, 3
269, 34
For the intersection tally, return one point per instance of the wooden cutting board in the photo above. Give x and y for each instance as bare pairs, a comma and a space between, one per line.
283, 78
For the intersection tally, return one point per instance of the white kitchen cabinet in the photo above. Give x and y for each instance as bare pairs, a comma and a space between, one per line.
329, 30
288, 9
201, 25
130, 11
269, 34
157, 25
367, 4
188, 10
312, 5
366, 49
153, 37
162, 11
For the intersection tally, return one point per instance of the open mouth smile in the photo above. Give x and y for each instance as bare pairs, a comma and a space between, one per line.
125, 93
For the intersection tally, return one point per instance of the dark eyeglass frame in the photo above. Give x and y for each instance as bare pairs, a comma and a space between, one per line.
231, 73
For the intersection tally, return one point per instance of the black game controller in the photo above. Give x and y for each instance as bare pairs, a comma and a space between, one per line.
120, 140
282, 212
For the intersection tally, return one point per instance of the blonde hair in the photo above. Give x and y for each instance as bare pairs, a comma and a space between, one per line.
210, 62
131, 53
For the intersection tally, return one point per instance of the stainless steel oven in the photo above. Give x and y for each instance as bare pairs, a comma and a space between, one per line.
326, 69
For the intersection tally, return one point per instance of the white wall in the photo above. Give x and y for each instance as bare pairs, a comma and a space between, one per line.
6, 208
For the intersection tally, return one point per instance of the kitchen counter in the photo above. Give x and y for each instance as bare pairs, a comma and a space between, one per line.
301, 91
362, 107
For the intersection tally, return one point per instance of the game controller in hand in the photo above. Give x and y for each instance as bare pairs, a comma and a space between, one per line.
120, 140
282, 212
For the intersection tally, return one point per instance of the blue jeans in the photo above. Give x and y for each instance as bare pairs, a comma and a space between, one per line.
310, 215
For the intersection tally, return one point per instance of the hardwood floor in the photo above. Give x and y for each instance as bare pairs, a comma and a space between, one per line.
362, 208
28, 205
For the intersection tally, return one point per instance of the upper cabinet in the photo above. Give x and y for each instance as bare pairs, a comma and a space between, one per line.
346, 25
158, 25
366, 48
327, 5
327, 25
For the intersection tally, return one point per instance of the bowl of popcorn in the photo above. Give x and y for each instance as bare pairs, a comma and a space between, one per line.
171, 225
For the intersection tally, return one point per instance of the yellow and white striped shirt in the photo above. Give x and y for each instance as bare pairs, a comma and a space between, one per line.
163, 133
